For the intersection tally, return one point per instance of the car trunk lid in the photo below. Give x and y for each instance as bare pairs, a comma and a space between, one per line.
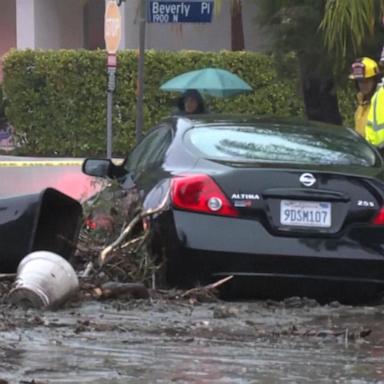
292, 201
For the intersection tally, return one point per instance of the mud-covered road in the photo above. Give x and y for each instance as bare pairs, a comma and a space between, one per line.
168, 339
171, 340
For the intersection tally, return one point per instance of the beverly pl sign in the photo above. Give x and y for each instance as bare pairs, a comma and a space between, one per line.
180, 11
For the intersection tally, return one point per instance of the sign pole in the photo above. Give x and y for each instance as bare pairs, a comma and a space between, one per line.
140, 72
112, 36
110, 89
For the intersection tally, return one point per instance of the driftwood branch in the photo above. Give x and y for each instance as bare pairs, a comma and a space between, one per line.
103, 258
206, 288
107, 250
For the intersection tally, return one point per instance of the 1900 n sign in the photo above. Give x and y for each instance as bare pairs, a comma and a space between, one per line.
179, 11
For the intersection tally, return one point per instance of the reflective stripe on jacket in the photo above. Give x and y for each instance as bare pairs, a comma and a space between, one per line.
374, 130
361, 115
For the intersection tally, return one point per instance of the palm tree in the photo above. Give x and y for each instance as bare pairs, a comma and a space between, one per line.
352, 28
326, 35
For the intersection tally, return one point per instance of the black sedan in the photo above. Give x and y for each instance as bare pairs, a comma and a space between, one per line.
285, 207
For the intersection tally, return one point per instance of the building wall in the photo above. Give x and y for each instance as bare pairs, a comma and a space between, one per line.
59, 24
47, 25
203, 37
71, 23
25, 21
7, 27
55, 24
256, 38
94, 24
213, 36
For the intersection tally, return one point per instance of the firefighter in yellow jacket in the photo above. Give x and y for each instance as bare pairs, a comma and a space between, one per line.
366, 73
374, 130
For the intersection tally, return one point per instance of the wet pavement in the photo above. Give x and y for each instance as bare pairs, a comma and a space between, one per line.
179, 341
163, 340
27, 175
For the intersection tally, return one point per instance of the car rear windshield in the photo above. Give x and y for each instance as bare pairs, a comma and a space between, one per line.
281, 144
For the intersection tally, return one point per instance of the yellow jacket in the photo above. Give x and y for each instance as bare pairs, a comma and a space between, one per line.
374, 130
361, 114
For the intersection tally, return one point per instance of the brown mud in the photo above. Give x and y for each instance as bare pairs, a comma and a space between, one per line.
168, 338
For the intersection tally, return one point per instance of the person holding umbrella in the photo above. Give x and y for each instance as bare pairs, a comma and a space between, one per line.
191, 102
214, 82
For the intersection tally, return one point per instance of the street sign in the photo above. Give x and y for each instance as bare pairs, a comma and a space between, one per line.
180, 11
112, 27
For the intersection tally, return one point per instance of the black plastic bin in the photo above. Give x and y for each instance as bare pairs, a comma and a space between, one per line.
48, 221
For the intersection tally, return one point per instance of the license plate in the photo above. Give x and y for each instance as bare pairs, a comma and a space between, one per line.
305, 213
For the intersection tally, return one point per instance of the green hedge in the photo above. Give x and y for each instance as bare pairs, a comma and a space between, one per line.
56, 100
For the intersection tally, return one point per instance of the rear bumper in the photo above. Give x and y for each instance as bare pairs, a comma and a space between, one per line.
245, 236
202, 248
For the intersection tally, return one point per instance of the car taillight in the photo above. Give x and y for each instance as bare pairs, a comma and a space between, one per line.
379, 218
200, 193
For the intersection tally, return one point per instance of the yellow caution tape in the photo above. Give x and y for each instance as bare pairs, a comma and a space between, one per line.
38, 163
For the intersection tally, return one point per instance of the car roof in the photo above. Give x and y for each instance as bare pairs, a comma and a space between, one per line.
233, 119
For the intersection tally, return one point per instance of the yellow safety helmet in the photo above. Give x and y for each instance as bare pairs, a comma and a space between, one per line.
364, 68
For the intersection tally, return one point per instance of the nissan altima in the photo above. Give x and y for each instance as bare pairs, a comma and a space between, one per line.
286, 207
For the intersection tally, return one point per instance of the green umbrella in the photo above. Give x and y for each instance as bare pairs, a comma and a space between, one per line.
211, 81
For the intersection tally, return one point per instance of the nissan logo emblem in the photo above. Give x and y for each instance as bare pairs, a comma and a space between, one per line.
307, 179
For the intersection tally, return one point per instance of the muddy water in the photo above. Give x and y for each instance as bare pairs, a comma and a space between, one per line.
164, 341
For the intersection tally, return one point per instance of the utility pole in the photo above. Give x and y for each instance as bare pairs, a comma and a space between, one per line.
140, 71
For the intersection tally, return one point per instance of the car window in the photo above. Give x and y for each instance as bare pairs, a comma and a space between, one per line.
281, 144
150, 150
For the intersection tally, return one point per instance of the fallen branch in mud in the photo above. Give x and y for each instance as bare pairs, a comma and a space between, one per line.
205, 292
116, 290
126, 231
103, 258
126, 258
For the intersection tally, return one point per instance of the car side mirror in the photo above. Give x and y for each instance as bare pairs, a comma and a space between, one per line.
103, 168
96, 167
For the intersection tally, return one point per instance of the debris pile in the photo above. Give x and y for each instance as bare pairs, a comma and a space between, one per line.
110, 248
113, 258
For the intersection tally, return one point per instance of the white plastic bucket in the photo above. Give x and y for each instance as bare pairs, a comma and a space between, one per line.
44, 279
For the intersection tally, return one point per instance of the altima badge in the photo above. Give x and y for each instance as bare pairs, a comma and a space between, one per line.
245, 196
307, 179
